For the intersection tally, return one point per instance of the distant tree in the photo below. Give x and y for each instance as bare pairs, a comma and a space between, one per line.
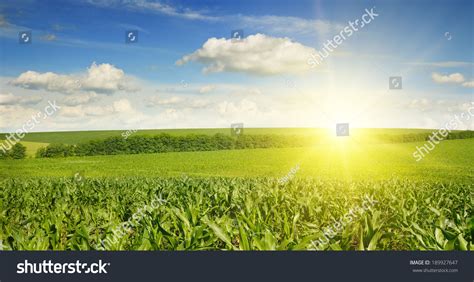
18, 151
3, 155
40, 153
56, 150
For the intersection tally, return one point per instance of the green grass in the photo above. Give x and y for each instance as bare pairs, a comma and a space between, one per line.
75, 137
450, 161
232, 199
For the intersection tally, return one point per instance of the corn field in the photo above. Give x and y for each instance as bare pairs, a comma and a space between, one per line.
233, 214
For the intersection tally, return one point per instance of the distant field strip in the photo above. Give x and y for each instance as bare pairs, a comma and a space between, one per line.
450, 162
75, 137
162, 143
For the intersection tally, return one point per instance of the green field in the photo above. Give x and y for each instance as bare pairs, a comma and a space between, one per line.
74, 137
450, 161
235, 199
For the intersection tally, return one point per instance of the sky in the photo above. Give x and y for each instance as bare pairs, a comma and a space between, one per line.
389, 64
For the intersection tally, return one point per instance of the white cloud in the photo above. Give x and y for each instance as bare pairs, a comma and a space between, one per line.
13, 116
159, 101
48, 81
207, 89
422, 104
122, 106
102, 78
188, 102
243, 107
80, 99
153, 7
443, 64
10, 99
469, 84
31, 100
452, 78
256, 54
268, 23
61, 27
71, 112
290, 25
106, 78
439, 106
119, 107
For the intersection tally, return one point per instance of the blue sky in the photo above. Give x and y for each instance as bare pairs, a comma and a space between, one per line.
184, 71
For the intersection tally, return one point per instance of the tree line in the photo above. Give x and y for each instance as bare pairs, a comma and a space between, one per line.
420, 137
162, 143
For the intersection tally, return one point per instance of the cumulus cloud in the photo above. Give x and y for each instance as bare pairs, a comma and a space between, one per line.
80, 99
47, 81
10, 99
469, 84
451, 78
177, 102
159, 101
429, 105
13, 116
102, 78
256, 54
122, 106
243, 107
71, 112
207, 89
106, 78
421, 104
